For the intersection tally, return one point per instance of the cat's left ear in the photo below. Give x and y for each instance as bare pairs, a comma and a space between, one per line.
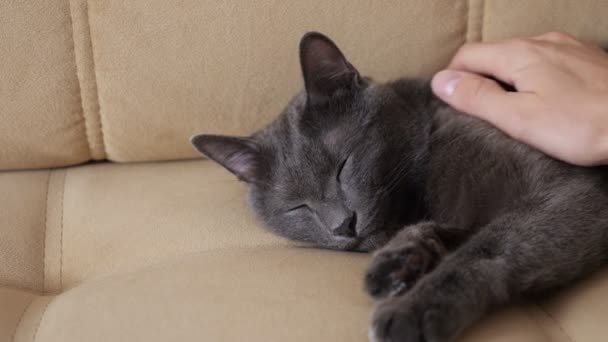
324, 67
239, 155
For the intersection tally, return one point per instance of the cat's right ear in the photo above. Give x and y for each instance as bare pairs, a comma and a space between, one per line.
324, 67
241, 156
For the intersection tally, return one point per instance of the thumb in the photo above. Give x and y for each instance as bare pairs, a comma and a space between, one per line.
469, 93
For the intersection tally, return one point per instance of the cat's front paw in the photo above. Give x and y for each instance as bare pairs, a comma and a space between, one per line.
399, 320
396, 267
391, 323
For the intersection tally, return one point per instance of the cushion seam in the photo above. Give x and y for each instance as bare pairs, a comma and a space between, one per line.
96, 143
61, 208
94, 69
467, 23
482, 19
474, 20
561, 328
84, 118
21, 318
46, 306
46, 215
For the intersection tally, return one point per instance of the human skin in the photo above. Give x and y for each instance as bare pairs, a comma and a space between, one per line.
560, 105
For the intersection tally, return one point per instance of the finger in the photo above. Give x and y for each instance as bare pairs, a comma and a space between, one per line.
484, 98
558, 38
497, 59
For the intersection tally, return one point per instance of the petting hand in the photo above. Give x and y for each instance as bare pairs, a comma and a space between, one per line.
561, 101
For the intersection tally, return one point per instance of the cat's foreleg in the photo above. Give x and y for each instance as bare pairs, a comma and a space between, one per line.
514, 255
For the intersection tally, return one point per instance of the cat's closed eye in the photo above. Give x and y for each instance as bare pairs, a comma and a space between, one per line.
341, 168
297, 208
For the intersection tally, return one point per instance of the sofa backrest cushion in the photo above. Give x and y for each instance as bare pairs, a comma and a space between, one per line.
133, 80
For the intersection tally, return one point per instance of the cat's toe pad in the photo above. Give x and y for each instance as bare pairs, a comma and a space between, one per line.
393, 270
392, 273
390, 323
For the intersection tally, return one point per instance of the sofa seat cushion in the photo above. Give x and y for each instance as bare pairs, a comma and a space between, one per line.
251, 294
169, 251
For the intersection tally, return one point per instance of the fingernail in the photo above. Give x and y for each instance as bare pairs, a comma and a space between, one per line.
445, 82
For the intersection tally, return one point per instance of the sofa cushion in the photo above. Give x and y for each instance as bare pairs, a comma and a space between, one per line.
257, 294
169, 251
166, 71
23, 202
131, 81
41, 122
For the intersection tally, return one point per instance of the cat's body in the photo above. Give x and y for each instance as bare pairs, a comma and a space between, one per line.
482, 219
476, 173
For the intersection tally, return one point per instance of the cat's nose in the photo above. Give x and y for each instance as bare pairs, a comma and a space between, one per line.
347, 227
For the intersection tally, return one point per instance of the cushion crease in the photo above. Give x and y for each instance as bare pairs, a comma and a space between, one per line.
474, 24
555, 321
21, 318
87, 80
46, 306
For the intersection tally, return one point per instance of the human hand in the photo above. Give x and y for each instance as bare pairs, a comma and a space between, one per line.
561, 101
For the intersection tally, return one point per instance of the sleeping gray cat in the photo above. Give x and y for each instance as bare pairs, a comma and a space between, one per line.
473, 219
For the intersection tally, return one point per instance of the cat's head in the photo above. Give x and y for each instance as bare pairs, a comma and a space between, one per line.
340, 166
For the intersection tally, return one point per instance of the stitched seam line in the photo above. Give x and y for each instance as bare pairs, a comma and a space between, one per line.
40, 320
61, 233
94, 68
561, 328
21, 318
45, 228
85, 70
467, 24
84, 118
482, 19
475, 17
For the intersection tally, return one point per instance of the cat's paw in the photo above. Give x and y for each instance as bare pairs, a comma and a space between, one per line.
396, 267
400, 321
390, 323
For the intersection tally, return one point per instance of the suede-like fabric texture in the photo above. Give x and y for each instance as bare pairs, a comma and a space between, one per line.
14, 305
132, 81
41, 123
163, 251
585, 19
118, 218
167, 70
23, 201
170, 251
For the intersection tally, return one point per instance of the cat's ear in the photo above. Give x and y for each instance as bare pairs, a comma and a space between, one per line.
241, 156
324, 67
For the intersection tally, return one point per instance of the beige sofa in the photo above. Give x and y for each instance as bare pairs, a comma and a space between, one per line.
147, 246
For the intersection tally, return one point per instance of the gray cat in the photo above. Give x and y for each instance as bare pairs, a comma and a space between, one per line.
473, 219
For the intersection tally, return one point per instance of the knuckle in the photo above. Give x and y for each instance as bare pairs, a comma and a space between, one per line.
478, 88
471, 92
524, 46
558, 36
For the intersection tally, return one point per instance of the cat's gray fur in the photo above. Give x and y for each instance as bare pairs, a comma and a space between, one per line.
481, 219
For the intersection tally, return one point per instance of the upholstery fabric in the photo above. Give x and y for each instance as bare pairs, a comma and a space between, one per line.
167, 250
131, 81
41, 123
164, 251
234, 67
23, 202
